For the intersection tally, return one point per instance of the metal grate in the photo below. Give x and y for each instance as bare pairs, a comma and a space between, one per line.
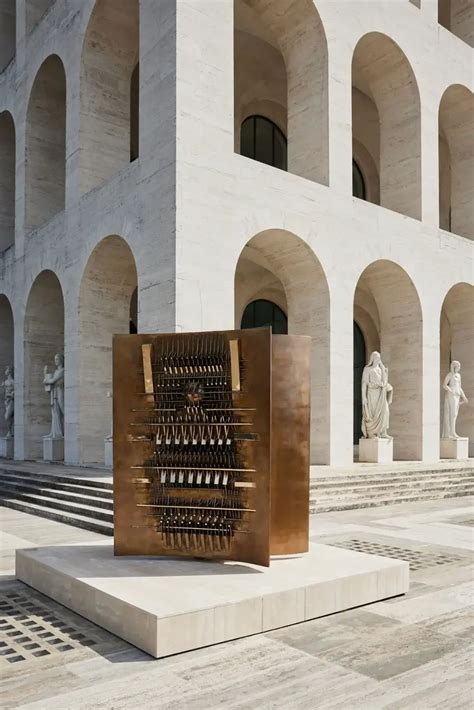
417, 559
32, 627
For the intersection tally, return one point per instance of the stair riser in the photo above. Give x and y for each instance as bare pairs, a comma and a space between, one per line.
57, 505
57, 517
53, 485
325, 507
11, 489
380, 476
382, 480
60, 479
385, 491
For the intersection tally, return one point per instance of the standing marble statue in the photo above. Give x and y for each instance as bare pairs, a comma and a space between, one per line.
54, 384
377, 395
9, 387
453, 399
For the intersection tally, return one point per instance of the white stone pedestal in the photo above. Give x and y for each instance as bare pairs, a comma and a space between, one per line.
53, 449
109, 453
455, 448
376, 450
6, 447
165, 605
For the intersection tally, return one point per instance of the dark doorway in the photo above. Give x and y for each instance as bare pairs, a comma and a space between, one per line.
262, 312
359, 364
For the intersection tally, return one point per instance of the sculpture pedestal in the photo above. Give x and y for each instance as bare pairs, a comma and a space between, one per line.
6, 447
455, 448
376, 450
53, 449
109, 453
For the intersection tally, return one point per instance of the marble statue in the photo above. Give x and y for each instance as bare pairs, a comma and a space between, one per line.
9, 387
453, 399
377, 395
54, 384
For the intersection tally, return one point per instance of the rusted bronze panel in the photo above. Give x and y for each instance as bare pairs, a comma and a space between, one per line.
157, 510
290, 444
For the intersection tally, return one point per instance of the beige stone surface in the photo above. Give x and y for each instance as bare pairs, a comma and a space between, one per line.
376, 450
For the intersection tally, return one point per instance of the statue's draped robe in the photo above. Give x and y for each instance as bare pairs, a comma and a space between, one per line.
375, 415
57, 403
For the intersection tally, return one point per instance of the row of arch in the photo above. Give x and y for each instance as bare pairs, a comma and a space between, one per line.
278, 280
281, 114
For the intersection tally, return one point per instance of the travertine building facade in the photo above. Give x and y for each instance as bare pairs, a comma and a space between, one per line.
129, 197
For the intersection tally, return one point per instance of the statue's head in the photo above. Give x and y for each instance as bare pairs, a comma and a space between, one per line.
375, 358
59, 360
455, 366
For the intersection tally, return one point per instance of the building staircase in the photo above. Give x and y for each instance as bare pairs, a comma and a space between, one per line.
82, 502
85, 499
365, 487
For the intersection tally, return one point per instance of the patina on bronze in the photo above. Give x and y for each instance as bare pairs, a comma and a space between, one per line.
195, 470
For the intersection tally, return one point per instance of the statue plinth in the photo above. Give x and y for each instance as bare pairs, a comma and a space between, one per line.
454, 448
376, 450
6, 447
109, 452
53, 449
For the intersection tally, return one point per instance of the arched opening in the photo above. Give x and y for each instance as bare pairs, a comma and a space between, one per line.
358, 182
107, 306
7, 180
387, 310
261, 313
457, 16
272, 42
6, 348
262, 140
457, 343
386, 133
44, 338
360, 359
456, 161
7, 32
279, 267
109, 91
34, 11
46, 144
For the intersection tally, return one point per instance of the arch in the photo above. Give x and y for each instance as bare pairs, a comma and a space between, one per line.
43, 338
263, 312
274, 42
262, 140
109, 58
457, 343
358, 181
7, 32
279, 266
457, 16
389, 297
46, 144
456, 160
105, 308
6, 345
386, 120
7, 180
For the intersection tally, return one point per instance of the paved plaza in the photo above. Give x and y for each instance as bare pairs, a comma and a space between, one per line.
411, 652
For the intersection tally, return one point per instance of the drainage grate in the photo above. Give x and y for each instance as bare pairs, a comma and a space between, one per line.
33, 627
417, 559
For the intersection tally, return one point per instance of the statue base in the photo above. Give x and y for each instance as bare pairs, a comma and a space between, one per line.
455, 448
6, 447
109, 453
53, 449
376, 450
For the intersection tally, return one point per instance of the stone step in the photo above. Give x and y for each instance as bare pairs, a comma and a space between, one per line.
36, 490
332, 506
369, 490
81, 486
348, 477
81, 510
71, 480
78, 521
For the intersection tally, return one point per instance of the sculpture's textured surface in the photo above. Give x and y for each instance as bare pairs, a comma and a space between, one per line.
9, 387
54, 384
453, 399
377, 394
